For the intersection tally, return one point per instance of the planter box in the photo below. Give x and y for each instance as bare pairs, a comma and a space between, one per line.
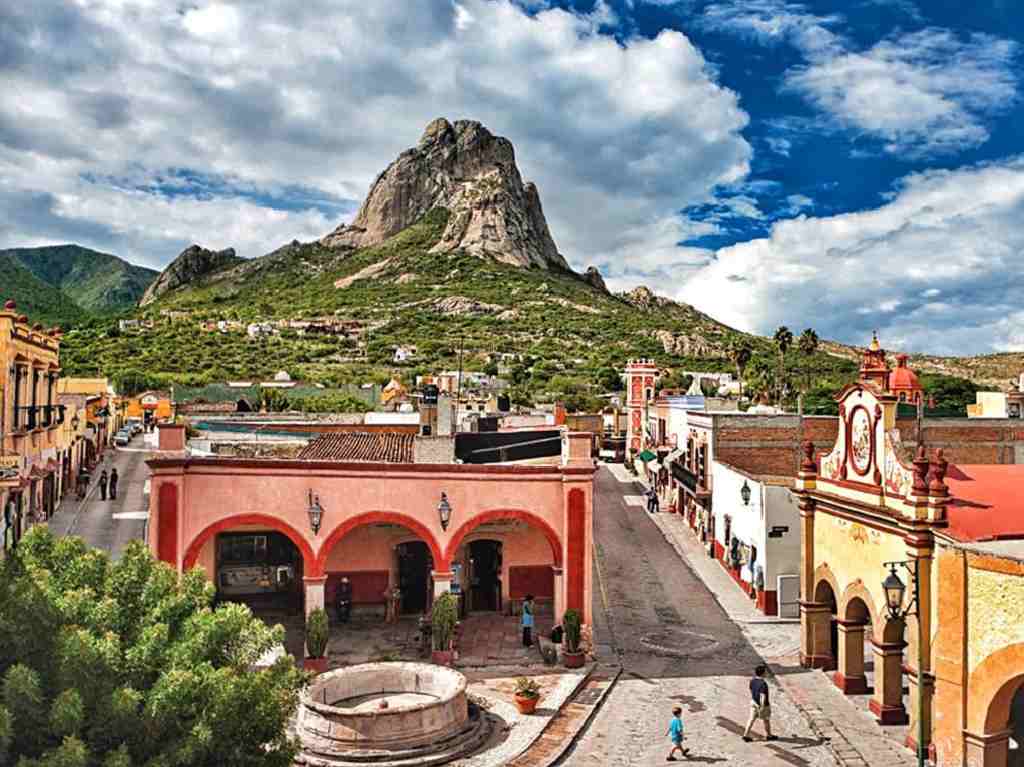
442, 657
526, 705
573, 659
316, 665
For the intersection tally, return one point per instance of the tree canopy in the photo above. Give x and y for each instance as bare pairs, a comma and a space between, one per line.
114, 664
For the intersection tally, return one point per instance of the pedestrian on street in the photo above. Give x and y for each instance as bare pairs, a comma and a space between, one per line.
103, 485
113, 484
675, 733
527, 621
652, 501
760, 706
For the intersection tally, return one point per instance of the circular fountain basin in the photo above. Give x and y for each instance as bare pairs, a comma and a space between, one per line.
340, 712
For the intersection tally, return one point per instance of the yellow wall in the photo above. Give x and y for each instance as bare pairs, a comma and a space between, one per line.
995, 615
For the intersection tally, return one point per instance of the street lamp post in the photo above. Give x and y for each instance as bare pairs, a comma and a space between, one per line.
894, 589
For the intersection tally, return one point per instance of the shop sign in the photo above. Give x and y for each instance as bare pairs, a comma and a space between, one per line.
778, 531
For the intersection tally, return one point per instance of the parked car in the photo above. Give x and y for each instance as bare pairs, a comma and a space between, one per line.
135, 425
122, 438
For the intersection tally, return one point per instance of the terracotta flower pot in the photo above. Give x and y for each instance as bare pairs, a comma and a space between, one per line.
316, 665
574, 659
442, 657
526, 705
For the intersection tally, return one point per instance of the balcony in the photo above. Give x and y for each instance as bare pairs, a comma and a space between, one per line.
31, 417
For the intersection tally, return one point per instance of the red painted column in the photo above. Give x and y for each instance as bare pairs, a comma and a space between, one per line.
576, 555
167, 524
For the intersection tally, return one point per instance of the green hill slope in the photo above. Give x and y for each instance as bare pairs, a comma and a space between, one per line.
40, 301
98, 282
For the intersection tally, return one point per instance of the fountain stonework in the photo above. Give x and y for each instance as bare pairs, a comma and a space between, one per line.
398, 713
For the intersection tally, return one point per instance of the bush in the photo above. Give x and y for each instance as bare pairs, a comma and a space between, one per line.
571, 624
317, 633
527, 688
443, 619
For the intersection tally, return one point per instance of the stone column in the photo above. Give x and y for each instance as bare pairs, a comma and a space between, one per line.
314, 591
816, 636
559, 606
849, 676
887, 703
811, 613
442, 581
992, 750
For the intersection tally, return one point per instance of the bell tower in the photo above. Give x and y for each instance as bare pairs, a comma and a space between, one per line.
641, 377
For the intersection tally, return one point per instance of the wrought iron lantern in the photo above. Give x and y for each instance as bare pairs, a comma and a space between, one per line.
745, 493
316, 513
894, 589
444, 511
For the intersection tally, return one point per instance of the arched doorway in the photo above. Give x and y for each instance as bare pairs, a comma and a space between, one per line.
850, 675
414, 566
825, 630
243, 406
1015, 751
994, 731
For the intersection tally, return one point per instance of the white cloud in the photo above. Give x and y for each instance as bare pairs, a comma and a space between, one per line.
796, 203
923, 92
321, 95
957, 233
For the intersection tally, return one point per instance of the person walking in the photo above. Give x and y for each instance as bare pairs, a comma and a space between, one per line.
675, 734
112, 484
103, 485
760, 706
652, 501
527, 621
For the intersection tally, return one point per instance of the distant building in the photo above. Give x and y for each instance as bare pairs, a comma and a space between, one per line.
404, 353
997, 404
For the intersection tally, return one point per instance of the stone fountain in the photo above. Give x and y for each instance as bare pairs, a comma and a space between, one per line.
394, 713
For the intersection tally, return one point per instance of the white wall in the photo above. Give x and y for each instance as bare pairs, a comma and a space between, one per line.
748, 523
783, 553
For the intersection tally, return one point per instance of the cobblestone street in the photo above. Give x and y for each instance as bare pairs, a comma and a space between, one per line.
678, 647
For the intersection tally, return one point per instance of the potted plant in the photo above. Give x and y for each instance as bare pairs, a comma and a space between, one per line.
572, 653
444, 616
527, 695
317, 633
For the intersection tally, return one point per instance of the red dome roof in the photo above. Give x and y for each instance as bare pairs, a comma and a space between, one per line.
903, 379
9, 305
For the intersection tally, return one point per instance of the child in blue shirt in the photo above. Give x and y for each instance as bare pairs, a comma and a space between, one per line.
675, 733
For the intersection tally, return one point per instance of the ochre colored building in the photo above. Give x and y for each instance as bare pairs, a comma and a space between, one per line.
866, 503
509, 530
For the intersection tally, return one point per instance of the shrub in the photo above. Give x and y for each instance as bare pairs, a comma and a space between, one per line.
571, 625
527, 688
443, 619
317, 632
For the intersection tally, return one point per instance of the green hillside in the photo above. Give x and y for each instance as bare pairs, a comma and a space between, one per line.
40, 301
98, 282
570, 337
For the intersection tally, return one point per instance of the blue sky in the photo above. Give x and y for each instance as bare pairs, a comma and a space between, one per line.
840, 165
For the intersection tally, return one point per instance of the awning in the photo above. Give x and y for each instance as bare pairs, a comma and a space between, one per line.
674, 455
647, 456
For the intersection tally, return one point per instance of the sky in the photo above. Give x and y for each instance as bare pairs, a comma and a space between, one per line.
842, 165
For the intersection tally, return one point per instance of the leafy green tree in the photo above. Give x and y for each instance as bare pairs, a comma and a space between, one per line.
128, 664
740, 352
808, 345
783, 338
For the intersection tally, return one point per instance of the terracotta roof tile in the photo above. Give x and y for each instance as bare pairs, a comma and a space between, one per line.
380, 447
985, 502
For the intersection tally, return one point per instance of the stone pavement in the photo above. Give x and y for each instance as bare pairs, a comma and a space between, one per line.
854, 736
677, 647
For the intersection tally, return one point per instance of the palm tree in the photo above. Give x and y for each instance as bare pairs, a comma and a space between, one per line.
783, 340
808, 345
740, 352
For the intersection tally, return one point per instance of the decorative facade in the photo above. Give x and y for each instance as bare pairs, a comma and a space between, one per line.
641, 380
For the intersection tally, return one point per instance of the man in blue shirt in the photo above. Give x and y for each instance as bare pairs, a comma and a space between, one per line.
527, 621
675, 733
760, 706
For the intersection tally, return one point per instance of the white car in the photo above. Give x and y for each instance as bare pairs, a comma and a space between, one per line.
122, 438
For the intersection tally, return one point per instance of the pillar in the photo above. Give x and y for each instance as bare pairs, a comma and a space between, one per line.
929, 694
991, 750
816, 636
849, 676
442, 581
887, 703
559, 581
314, 586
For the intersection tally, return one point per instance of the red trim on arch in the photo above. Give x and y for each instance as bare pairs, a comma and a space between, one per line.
496, 514
192, 554
381, 517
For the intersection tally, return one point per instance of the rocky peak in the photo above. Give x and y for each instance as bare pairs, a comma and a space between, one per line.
471, 172
593, 277
642, 297
193, 263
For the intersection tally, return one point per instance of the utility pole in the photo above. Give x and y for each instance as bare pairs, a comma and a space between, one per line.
458, 393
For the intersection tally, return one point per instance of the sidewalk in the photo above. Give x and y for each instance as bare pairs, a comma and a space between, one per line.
855, 739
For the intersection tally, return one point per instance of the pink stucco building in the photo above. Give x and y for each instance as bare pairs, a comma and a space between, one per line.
513, 529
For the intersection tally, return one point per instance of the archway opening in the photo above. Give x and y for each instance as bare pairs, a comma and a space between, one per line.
414, 582
260, 568
825, 595
1015, 755
852, 629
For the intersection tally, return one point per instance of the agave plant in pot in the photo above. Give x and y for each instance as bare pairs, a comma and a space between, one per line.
572, 652
317, 633
527, 695
444, 617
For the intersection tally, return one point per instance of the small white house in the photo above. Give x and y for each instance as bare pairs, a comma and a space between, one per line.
404, 353
757, 536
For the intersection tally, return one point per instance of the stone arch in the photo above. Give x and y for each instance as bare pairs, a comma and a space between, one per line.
991, 688
823, 574
854, 601
381, 517
497, 514
274, 523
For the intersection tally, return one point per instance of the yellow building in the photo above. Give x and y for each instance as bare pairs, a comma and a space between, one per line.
149, 406
31, 417
951, 628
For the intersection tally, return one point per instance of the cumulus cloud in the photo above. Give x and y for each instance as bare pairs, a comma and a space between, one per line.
112, 96
924, 92
936, 268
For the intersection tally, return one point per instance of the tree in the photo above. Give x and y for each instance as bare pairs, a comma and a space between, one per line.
609, 379
783, 340
808, 345
125, 663
740, 353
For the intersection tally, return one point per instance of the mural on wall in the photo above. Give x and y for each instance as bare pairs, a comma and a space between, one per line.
899, 479
860, 440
